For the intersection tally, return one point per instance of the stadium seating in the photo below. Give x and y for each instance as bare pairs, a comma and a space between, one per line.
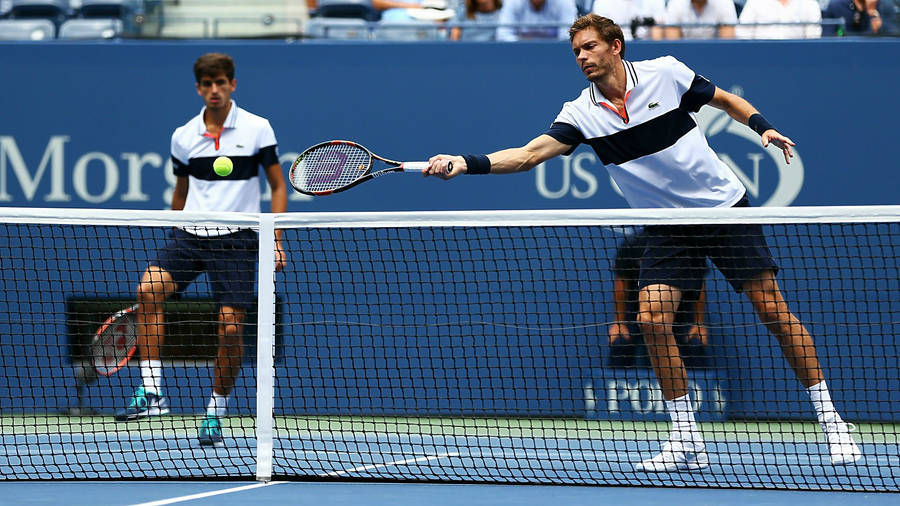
408, 31
107, 8
51, 9
347, 9
27, 29
234, 18
95, 28
338, 28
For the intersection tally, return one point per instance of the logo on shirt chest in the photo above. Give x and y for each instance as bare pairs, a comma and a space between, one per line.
653, 105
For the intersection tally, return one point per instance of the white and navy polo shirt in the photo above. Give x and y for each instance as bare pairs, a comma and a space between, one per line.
655, 152
247, 139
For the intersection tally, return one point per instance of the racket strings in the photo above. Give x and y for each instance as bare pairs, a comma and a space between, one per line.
329, 167
112, 348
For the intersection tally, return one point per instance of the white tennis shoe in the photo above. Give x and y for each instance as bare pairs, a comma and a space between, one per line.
679, 453
840, 443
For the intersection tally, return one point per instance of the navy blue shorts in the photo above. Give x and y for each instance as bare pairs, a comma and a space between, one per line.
676, 255
229, 262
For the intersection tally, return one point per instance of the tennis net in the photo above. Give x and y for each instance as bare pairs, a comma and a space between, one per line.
462, 346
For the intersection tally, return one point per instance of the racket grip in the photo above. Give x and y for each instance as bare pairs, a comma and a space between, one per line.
414, 166
420, 166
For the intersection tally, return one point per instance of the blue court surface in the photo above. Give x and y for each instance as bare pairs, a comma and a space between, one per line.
385, 465
752, 455
402, 494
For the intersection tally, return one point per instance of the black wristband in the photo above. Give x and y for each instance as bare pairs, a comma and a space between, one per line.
477, 164
759, 124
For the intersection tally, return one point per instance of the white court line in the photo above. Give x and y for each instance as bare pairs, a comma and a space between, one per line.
202, 495
208, 494
389, 464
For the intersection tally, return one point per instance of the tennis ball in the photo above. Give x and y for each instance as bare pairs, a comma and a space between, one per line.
223, 166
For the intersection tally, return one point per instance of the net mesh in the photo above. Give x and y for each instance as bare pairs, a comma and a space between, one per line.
469, 347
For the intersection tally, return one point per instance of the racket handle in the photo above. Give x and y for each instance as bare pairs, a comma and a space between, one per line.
420, 166
414, 166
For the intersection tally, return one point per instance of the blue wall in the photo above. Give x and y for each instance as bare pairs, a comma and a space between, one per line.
103, 113
120, 102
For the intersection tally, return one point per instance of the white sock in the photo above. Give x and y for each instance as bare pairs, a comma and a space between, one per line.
682, 413
151, 374
218, 404
821, 400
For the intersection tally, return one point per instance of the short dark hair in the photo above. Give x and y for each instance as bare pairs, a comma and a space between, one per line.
472, 7
605, 27
212, 65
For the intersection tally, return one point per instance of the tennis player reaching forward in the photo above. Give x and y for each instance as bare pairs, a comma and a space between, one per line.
228, 256
639, 119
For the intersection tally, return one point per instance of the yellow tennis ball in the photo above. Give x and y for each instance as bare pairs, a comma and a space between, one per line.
223, 166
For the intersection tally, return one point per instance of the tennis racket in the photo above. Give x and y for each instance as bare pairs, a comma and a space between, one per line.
335, 166
115, 342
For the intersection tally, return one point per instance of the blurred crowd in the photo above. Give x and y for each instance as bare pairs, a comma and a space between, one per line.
475, 20
509, 20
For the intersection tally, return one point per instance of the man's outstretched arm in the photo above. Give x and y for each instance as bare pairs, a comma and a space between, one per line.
540, 149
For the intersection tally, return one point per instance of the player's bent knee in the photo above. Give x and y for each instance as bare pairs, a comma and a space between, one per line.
771, 312
653, 323
231, 331
155, 286
150, 293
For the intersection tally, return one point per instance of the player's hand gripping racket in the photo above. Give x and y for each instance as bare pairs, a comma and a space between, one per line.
335, 166
115, 342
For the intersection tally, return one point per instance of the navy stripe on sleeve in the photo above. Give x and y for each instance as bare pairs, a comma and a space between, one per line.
179, 168
268, 156
566, 134
698, 95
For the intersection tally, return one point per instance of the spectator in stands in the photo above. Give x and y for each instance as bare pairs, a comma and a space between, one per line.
478, 11
584, 7
626, 343
395, 10
763, 19
383, 5
227, 256
541, 19
696, 12
638, 18
861, 17
397, 14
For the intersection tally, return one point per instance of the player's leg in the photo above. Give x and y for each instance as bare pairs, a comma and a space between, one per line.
175, 266
684, 450
225, 372
796, 343
230, 353
155, 286
800, 352
670, 266
228, 358
656, 314
691, 334
742, 255
232, 275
